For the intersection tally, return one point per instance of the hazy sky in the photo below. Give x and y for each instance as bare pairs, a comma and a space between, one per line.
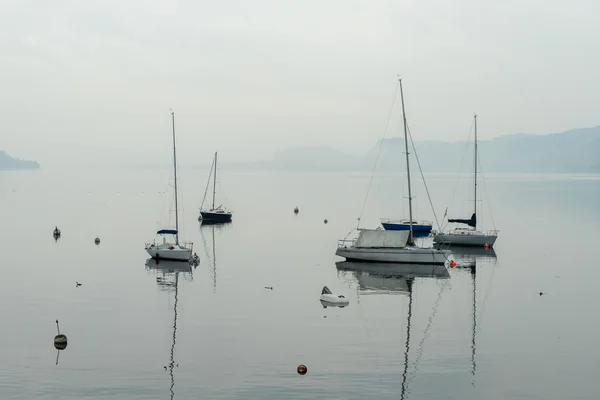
82, 80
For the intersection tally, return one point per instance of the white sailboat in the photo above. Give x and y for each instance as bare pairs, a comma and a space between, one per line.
469, 235
171, 250
393, 246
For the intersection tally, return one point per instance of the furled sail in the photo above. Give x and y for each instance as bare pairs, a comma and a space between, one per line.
471, 222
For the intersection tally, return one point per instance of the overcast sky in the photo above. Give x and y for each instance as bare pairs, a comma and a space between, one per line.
96, 78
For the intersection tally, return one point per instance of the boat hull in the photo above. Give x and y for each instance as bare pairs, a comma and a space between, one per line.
465, 240
214, 217
169, 252
418, 229
408, 255
332, 300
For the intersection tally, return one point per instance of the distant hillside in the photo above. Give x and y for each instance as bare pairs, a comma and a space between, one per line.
8, 163
574, 151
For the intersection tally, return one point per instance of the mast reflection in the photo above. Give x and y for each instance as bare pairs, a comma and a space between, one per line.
167, 278
468, 259
212, 228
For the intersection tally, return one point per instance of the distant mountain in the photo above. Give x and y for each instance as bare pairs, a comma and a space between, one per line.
574, 151
8, 163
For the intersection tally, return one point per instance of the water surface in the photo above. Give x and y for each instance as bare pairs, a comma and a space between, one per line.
479, 331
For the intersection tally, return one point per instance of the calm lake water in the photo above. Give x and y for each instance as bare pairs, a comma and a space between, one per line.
482, 333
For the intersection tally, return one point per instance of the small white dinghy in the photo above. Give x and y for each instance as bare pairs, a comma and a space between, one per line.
329, 299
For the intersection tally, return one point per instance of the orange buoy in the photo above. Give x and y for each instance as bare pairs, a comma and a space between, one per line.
453, 263
302, 369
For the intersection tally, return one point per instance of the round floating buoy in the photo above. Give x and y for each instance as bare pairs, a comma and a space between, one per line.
325, 221
453, 263
296, 210
60, 340
97, 240
302, 369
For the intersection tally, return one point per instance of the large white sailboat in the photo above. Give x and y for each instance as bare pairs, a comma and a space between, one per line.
393, 246
469, 235
168, 250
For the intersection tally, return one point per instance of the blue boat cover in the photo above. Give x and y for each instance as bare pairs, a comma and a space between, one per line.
167, 232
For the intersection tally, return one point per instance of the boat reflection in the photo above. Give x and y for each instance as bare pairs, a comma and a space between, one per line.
326, 304
168, 273
465, 256
385, 278
378, 278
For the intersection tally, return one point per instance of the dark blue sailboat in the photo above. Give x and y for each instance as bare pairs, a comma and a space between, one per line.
215, 215
420, 229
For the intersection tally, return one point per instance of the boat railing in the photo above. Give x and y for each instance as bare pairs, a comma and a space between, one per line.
493, 232
404, 221
346, 243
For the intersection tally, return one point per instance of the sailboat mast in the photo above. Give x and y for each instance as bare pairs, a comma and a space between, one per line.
175, 175
410, 214
475, 174
215, 181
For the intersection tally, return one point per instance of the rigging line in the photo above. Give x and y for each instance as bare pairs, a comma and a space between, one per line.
486, 193
365, 324
362, 210
421, 347
462, 162
205, 244
423, 177
485, 299
207, 183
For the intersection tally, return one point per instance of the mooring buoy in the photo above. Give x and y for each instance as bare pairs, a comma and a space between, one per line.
60, 340
97, 240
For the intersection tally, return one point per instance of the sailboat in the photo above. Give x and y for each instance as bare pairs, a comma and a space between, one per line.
167, 250
393, 246
219, 214
469, 235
